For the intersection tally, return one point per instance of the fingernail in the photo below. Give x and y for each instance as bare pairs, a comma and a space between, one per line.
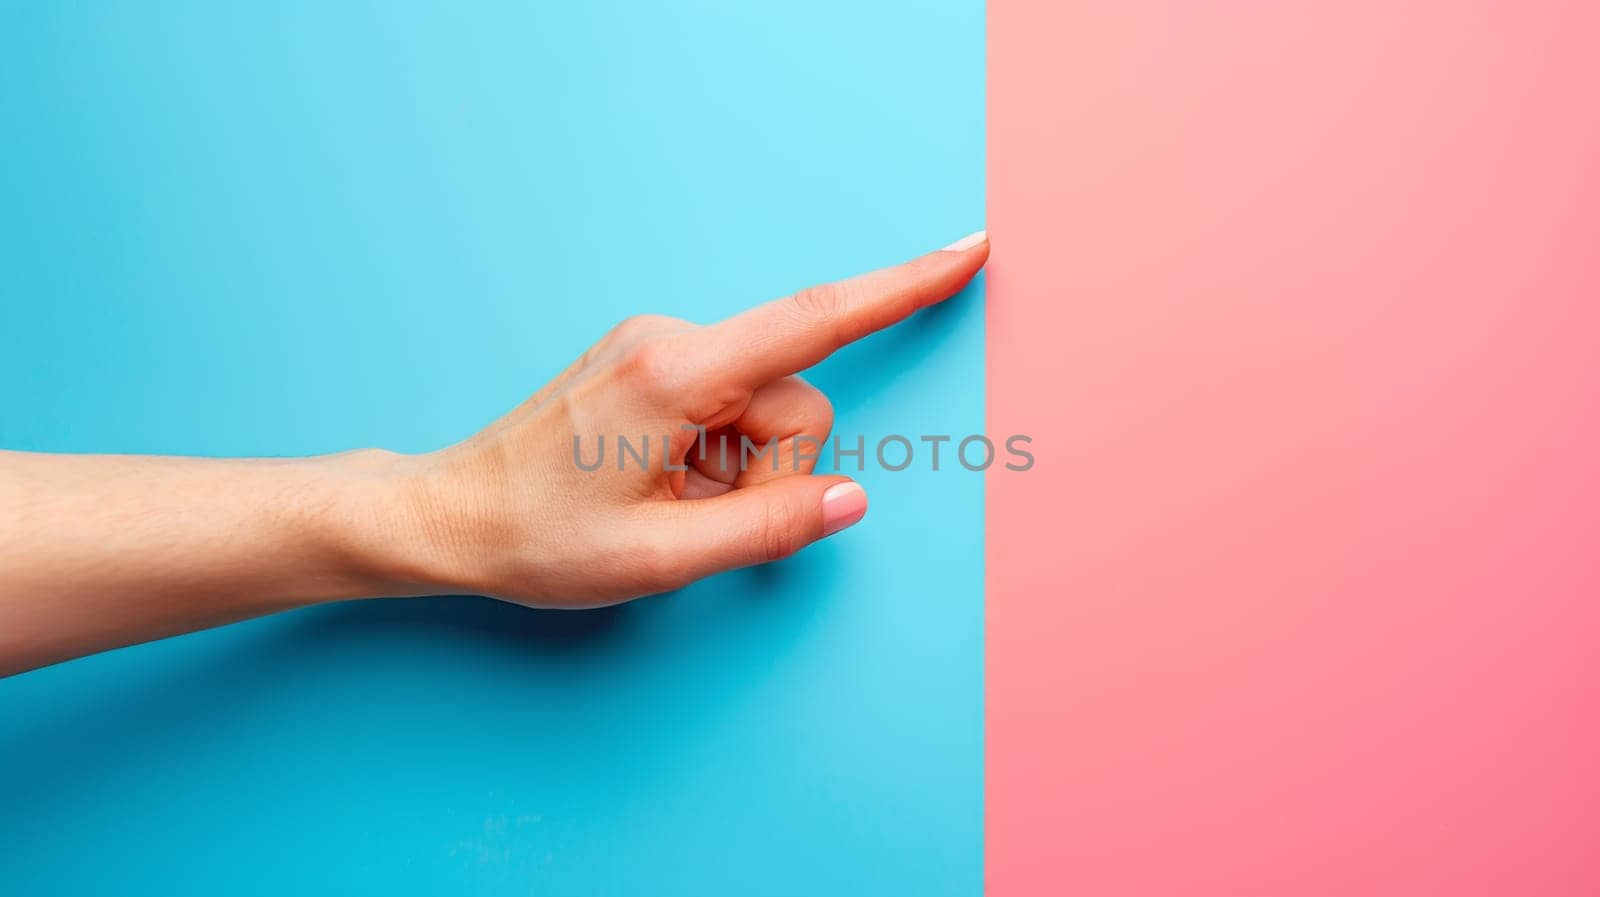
967, 242
844, 504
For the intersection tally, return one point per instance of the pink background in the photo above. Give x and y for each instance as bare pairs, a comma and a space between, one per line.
1299, 304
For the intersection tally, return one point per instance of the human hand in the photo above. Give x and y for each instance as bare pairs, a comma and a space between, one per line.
511, 513
98, 551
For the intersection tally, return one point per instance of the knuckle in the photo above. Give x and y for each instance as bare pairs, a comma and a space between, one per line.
651, 361
824, 304
779, 538
635, 327
822, 410
807, 410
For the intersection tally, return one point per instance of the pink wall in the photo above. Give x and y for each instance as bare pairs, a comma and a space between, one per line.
1299, 302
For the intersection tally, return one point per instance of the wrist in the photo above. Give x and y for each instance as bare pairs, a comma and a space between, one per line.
427, 527
385, 524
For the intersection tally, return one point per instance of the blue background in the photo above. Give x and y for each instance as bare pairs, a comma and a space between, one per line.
287, 229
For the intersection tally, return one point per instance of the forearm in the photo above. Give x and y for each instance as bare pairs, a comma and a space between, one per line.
98, 551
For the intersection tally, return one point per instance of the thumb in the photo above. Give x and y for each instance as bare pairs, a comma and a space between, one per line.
758, 524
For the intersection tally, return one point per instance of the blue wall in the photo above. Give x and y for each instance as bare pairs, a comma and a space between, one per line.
292, 229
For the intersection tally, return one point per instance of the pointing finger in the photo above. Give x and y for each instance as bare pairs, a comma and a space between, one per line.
788, 335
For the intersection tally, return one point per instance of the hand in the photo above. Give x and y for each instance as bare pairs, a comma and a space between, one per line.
511, 513
98, 551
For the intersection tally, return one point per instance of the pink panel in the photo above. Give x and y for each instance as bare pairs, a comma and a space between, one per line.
1301, 304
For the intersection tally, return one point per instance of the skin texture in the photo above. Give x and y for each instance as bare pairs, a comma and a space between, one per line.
100, 551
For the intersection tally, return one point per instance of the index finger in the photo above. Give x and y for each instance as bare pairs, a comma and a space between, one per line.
788, 335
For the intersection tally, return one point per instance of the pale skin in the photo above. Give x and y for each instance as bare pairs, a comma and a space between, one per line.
101, 551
